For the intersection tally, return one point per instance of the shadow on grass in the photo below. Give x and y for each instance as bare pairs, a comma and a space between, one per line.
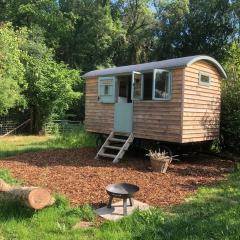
14, 210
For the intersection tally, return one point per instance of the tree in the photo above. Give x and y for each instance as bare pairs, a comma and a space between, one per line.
88, 46
44, 14
138, 24
12, 82
194, 27
236, 13
170, 28
50, 84
230, 112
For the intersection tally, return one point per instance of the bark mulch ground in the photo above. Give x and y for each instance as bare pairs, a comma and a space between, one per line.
83, 179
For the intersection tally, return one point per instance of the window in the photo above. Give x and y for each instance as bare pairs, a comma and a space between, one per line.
137, 86
161, 85
204, 79
122, 88
106, 89
147, 86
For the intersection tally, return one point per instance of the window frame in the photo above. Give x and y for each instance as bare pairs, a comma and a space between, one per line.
113, 84
200, 82
169, 85
132, 91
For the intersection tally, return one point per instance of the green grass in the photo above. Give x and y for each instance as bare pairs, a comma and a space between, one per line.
13, 145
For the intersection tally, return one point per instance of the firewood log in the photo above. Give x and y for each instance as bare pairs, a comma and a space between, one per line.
33, 197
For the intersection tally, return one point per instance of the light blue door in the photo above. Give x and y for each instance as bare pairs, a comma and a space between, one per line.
123, 117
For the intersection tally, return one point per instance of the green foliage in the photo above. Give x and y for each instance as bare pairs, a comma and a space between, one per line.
41, 14
171, 20
230, 114
138, 24
74, 139
12, 82
29, 74
50, 84
194, 27
95, 33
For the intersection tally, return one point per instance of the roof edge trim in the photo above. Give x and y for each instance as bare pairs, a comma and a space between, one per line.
210, 59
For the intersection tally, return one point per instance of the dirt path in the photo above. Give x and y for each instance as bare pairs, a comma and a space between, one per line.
76, 174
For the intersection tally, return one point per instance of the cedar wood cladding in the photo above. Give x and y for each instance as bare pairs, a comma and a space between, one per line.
191, 115
201, 107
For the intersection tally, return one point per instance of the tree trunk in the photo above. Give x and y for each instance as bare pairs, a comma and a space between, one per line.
36, 126
33, 197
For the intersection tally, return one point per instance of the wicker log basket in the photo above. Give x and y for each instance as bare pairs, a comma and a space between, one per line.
160, 161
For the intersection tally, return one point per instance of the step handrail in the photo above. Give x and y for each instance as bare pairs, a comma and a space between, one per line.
116, 159
102, 147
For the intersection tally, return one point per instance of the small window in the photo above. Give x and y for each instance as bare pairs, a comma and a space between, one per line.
106, 86
204, 79
106, 89
161, 85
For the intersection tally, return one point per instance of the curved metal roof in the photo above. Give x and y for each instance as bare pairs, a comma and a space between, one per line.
165, 64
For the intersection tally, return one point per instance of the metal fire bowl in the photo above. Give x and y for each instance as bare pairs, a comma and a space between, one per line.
122, 190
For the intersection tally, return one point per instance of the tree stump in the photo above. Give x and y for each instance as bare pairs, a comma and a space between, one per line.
33, 197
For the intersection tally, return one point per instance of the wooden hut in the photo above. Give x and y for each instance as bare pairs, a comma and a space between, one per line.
175, 100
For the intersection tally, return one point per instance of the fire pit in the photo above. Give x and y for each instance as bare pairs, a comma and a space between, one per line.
121, 190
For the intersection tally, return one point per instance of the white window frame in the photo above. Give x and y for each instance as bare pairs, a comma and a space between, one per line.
132, 92
169, 85
200, 82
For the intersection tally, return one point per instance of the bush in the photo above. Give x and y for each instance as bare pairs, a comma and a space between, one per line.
75, 138
230, 112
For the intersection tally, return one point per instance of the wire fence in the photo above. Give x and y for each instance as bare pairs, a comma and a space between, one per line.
7, 126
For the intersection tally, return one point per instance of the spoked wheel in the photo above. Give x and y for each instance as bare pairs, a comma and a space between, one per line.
100, 139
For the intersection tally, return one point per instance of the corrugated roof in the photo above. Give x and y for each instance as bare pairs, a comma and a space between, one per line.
165, 64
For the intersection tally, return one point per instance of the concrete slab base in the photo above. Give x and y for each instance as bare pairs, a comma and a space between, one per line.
116, 211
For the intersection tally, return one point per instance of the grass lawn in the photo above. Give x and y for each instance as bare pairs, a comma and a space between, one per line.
212, 213
13, 145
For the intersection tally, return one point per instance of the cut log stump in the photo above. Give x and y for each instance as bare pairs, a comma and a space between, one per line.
33, 197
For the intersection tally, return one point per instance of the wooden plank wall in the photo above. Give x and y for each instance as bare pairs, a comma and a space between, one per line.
161, 120
98, 117
201, 108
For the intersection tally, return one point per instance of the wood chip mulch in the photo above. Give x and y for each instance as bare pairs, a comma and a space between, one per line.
83, 179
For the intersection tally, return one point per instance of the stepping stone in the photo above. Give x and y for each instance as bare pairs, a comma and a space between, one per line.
116, 211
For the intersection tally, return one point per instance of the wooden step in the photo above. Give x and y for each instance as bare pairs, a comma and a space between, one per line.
113, 137
107, 155
117, 140
113, 147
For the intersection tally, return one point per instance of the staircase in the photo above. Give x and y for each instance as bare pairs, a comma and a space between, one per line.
115, 146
